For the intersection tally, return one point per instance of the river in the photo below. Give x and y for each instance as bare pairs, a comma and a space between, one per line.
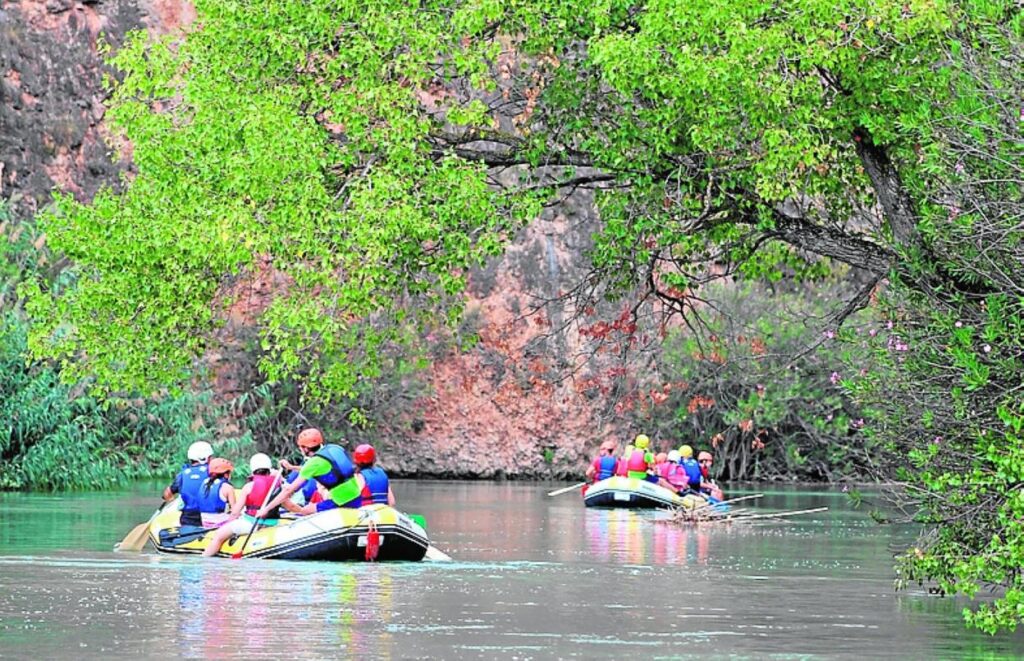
533, 577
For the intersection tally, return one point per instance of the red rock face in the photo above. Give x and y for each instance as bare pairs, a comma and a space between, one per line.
506, 408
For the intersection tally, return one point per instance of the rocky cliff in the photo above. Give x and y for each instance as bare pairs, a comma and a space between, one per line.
503, 408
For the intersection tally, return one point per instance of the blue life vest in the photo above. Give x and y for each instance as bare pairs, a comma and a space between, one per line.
692, 469
210, 501
308, 488
606, 467
192, 479
342, 468
376, 489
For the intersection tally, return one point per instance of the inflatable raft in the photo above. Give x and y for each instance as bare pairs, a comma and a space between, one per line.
334, 535
631, 492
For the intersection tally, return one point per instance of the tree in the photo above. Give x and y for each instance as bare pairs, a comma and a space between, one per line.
368, 153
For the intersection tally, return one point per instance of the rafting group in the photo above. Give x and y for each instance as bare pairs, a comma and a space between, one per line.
332, 506
640, 477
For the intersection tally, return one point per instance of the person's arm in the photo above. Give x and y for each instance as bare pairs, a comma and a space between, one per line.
236, 509
391, 496
592, 470
287, 466
173, 488
286, 493
227, 493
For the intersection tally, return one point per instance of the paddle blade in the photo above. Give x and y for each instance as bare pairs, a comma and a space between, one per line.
434, 553
135, 540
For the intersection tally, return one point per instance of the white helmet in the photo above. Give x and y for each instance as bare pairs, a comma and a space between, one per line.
258, 461
674, 456
199, 451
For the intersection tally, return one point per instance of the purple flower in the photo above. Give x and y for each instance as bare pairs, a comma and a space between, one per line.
888, 324
863, 371
834, 378
937, 440
959, 324
900, 346
828, 418
959, 168
829, 334
986, 348
858, 423
873, 332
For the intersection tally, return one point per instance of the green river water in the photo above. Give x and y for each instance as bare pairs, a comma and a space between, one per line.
533, 577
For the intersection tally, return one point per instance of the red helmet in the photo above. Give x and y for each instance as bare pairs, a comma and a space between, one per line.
310, 438
364, 454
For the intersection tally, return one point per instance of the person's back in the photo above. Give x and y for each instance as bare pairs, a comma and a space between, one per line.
188, 482
374, 486
690, 465
605, 464
640, 460
216, 496
674, 473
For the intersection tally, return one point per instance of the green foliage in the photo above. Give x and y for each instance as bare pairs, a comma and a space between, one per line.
288, 131
761, 390
56, 437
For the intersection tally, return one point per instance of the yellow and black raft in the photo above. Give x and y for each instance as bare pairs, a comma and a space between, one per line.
334, 535
633, 493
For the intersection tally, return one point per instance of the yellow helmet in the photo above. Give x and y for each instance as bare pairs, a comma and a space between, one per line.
641, 442
685, 451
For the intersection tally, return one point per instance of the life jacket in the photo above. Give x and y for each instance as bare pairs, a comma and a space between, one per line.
210, 500
192, 478
620, 467
675, 475
606, 467
308, 490
342, 468
637, 463
260, 488
692, 469
376, 488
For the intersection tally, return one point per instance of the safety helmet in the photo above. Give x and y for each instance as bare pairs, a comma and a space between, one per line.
364, 454
310, 438
260, 461
673, 456
704, 455
641, 442
220, 466
199, 451
685, 451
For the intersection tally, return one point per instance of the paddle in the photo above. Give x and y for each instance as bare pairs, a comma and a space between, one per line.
139, 535
433, 553
559, 492
266, 499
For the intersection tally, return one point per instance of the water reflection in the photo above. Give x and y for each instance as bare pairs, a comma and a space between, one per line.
627, 536
535, 577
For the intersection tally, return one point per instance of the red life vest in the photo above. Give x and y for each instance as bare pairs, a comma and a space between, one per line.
260, 487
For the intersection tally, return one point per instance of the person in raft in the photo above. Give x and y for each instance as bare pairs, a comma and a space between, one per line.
641, 460
691, 467
707, 485
604, 464
329, 465
374, 485
262, 483
217, 495
189, 481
